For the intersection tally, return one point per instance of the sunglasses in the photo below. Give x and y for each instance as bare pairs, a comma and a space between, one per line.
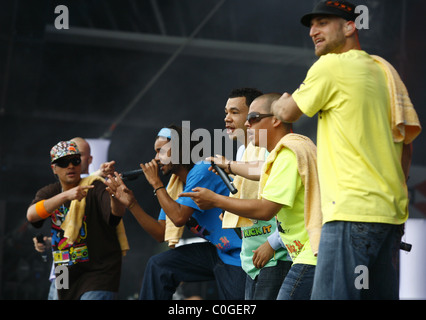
64, 162
254, 117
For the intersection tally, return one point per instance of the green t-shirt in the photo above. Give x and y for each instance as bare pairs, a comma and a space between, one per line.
284, 186
359, 165
253, 237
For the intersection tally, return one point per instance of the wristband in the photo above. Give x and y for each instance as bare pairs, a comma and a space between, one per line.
41, 210
155, 191
132, 205
229, 168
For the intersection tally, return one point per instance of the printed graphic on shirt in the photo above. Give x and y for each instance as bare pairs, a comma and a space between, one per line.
256, 231
223, 244
202, 232
196, 229
281, 229
63, 253
294, 247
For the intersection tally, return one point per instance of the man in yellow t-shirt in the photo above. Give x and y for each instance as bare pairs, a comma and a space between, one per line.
362, 177
291, 220
282, 195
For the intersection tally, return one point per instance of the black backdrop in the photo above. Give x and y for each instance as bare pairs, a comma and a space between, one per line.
57, 84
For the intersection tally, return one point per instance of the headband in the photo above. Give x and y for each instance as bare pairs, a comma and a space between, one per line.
165, 133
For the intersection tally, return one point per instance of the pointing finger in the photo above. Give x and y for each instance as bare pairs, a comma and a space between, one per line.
187, 194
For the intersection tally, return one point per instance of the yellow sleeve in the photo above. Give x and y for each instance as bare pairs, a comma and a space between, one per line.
320, 86
284, 180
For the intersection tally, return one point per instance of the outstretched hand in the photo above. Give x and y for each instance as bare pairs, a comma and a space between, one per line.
107, 168
119, 191
204, 198
78, 192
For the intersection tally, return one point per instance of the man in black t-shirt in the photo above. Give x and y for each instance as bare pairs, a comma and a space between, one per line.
89, 246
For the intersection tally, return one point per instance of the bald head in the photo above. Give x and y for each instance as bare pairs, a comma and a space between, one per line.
265, 101
86, 157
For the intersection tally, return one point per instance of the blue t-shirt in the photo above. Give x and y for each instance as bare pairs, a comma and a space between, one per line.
206, 223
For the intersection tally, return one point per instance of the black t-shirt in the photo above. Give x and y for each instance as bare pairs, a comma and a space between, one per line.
94, 260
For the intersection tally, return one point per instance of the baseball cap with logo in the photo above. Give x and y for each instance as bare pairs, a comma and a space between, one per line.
342, 9
63, 149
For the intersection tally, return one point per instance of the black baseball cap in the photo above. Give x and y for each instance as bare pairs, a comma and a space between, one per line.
342, 9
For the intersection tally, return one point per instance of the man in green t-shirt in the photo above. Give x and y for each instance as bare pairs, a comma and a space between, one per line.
282, 195
362, 169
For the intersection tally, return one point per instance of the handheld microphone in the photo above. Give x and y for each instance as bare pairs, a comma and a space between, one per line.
405, 246
131, 175
225, 178
40, 239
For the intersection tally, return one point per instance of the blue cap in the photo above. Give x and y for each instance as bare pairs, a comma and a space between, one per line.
165, 133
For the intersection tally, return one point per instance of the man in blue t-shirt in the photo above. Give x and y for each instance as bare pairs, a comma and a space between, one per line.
216, 259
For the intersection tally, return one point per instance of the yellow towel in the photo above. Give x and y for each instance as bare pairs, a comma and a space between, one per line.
172, 234
122, 238
74, 219
247, 189
305, 151
405, 122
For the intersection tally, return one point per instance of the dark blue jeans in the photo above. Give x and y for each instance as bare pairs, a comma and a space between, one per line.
358, 260
191, 263
268, 282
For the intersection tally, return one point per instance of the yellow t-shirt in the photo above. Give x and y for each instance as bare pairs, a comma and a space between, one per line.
359, 165
284, 186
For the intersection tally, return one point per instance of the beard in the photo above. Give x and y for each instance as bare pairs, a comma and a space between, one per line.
333, 45
169, 169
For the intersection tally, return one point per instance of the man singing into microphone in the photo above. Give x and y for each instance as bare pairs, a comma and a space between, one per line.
217, 259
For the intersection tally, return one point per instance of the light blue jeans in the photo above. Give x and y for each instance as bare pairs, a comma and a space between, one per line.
53, 293
89, 295
99, 295
357, 260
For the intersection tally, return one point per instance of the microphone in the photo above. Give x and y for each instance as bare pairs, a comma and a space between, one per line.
225, 178
40, 239
131, 175
405, 246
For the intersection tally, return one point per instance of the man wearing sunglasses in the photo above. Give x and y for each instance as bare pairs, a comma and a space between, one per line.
263, 258
92, 252
105, 169
281, 194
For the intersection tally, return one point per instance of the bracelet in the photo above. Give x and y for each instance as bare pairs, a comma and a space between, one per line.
155, 191
132, 205
229, 168
41, 210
